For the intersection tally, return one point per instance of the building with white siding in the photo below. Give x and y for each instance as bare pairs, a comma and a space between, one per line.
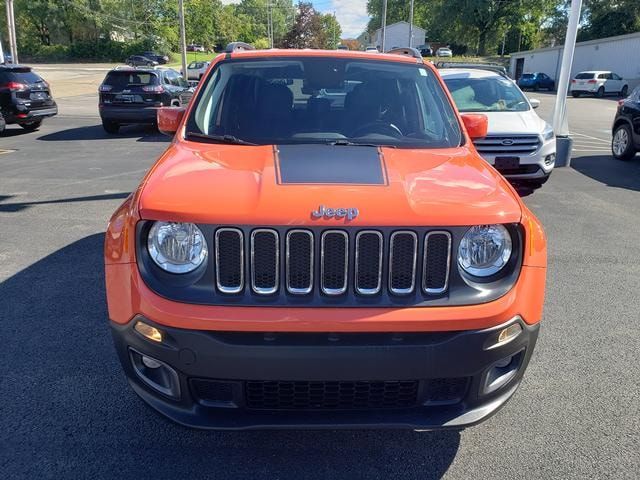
619, 54
397, 35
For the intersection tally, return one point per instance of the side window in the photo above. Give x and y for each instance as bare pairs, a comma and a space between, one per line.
615, 76
602, 76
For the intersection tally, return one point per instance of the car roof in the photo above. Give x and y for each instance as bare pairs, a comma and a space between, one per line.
275, 52
468, 73
594, 71
14, 66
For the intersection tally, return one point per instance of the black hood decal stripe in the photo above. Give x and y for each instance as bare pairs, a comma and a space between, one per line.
329, 164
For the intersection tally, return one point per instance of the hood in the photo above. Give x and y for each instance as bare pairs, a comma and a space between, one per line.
520, 123
266, 185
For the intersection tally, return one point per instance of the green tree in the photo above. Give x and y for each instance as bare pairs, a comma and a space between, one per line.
608, 18
308, 30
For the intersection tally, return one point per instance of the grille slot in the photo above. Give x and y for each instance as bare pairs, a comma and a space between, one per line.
299, 266
515, 144
265, 261
437, 262
368, 276
317, 395
334, 262
403, 250
229, 260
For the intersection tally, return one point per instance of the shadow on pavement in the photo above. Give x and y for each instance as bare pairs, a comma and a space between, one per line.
18, 206
146, 133
608, 170
67, 412
15, 131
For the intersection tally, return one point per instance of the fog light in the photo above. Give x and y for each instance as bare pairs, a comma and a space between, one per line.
550, 159
150, 362
149, 332
502, 372
509, 333
156, 374
499, 364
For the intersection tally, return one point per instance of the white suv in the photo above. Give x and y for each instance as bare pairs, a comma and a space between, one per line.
519, 144
599, 83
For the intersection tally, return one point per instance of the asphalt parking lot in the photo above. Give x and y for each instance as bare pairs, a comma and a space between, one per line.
67, 412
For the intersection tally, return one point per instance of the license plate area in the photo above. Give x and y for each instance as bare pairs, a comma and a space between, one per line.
506, 163
125, 98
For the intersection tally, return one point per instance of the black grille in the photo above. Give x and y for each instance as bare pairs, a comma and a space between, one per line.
436, 261
445, 390
265, 261
508, 145
301, 395
334, 251
402, 264
229, 260
299, 261
212, 391
368, 262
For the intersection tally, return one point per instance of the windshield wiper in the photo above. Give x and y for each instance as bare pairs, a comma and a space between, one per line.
230, 139
348, 143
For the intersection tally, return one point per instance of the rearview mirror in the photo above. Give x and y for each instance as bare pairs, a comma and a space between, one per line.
535, 103
476, 124
169, 119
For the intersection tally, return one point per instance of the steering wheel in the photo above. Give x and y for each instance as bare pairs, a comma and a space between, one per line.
378, 126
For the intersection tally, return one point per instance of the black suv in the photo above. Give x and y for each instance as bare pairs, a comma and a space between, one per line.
626, 127
140, 61
161, 59
132, 96
25, 98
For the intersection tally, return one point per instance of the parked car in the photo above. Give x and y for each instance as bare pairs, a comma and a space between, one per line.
536, 81
323, 265
3, 124
519, 144
161, 59
372, 49
195, 47
140, 61
25, 97
195, 70
444, 52
625, 142
598, 83
132, 96
425, 50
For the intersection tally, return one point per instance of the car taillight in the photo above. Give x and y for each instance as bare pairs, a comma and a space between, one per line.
621, 102
105, 88
13, 86
153, 88
591, 81
573, 81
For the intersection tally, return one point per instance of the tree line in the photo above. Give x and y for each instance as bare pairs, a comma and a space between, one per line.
483, 27
111, 29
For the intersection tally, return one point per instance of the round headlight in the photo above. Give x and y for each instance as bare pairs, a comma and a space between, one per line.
177, 247
484, 250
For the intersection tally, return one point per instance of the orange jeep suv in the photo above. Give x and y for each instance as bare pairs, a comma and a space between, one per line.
322, 246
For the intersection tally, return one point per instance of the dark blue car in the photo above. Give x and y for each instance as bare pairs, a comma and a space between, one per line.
536, 81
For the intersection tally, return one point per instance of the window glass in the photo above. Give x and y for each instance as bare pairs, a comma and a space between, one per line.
585, 76
489, 94
123, 79
324, 100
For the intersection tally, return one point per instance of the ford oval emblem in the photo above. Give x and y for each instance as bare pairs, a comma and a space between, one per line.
507, 141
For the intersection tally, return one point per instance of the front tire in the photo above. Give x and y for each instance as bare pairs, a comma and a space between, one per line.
31, 126
110, 127
600, 92
622, 143
624, 92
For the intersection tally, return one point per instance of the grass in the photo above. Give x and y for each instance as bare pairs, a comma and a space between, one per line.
175, 60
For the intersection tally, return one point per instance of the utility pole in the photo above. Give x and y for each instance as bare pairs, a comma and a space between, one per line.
564, 143
11, 27
335, 22
384, 24
411, 24
183, 40
270, 24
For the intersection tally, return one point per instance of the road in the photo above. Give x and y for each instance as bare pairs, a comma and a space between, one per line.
67, 412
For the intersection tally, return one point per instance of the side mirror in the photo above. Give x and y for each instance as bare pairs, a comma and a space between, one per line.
169, 119
535, 103
476, 124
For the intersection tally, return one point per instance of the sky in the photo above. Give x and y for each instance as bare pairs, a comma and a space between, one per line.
351, 14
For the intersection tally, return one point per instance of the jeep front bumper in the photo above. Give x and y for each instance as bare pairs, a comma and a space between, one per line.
244, 380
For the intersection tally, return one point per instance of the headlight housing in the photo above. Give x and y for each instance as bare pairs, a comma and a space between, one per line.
547, 133
484, 250
177, 247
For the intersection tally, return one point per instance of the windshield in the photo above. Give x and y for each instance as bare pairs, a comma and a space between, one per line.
527, 75
124, 79
491, 94
326, 100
